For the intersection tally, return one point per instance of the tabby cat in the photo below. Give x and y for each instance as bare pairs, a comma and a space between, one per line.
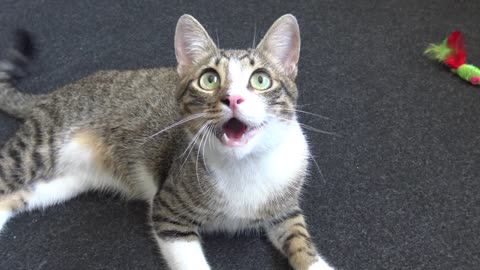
212, 146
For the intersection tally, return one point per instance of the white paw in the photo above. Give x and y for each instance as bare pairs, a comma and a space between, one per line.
4, 216
320, 264
183, 255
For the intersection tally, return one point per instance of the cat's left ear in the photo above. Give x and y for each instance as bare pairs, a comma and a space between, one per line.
282, 44
192, 43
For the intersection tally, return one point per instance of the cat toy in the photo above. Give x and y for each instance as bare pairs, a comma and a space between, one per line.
452, 53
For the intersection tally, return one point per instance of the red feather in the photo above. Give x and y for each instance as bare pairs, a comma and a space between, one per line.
458, 55
455, 41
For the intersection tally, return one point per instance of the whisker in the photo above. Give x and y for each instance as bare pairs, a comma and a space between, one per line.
309, 113
218, 40
254, 35
195, 137
196, 162
182, 121
305, 126
191, 146
209, 134
318, 167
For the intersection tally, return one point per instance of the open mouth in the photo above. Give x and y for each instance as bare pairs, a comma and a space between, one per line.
237, 133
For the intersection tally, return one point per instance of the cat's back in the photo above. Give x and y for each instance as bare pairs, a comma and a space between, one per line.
117, 94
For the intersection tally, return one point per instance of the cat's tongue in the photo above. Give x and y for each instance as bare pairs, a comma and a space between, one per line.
234, 129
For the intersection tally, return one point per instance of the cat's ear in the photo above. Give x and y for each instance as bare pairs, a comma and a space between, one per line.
282, 44
192, 43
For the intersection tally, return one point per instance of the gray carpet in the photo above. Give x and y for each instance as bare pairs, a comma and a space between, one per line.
400, 187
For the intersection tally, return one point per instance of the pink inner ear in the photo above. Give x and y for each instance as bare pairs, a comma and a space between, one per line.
183, 45
182, 59
289, 54
282, 42
191, 43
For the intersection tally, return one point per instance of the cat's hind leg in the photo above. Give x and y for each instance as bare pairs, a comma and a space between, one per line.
25, 160
37, 176
41, 194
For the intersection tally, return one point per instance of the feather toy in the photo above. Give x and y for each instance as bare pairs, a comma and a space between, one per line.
452, 53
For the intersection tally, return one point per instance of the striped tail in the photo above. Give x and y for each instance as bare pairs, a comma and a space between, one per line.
12, 68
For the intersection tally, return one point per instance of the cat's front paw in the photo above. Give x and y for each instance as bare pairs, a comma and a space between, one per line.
320, 264
4, 216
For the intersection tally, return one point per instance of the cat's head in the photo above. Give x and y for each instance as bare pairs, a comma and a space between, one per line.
242, 98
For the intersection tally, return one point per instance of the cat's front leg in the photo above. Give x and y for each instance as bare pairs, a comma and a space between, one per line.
178, 240
182, 254
289, 235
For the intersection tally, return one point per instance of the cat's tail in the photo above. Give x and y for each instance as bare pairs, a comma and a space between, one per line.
12, 68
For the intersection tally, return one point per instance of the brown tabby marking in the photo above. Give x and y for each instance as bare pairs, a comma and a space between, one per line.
292, 239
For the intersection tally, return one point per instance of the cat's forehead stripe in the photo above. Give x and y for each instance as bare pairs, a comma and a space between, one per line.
224, 54
250, 57
244, 56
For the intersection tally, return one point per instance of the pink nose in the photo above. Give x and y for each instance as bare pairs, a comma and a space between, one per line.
233, 101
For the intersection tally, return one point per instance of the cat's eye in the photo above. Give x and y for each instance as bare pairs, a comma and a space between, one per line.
260, 80
209, 80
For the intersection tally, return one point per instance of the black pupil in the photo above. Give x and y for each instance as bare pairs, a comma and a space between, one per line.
260, 79
211, 78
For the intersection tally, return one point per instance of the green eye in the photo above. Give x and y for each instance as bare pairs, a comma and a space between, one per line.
260, 81
209, 80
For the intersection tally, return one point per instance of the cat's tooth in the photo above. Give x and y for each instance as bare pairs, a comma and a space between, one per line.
225, 138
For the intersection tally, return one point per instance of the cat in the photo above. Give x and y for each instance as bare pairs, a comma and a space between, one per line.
213, 145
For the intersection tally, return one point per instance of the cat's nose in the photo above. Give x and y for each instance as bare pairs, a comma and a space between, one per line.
233, 101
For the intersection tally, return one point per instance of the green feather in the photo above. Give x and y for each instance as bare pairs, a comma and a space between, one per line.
438, 52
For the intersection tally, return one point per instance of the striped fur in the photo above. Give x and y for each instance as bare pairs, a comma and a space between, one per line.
157, 135
289, 234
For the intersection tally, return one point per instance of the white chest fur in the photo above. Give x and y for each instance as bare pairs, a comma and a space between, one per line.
250, 182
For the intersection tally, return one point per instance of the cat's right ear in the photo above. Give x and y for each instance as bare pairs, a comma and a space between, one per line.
192, 43
282, 44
